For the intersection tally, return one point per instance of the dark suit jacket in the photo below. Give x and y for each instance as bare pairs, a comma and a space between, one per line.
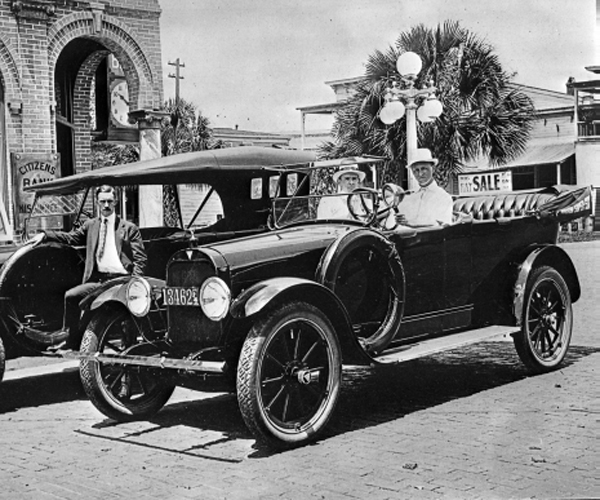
128, 240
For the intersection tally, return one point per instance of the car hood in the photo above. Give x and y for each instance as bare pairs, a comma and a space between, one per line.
291, 252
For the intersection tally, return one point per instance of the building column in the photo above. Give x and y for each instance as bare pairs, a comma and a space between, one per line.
302, 129
150, 199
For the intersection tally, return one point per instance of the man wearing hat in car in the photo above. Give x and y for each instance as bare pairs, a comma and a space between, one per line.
347, 179
430, 205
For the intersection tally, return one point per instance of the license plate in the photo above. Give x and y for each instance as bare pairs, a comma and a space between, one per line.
181, 296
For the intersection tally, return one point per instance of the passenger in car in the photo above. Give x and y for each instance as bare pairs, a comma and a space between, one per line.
430, 205
114, 248
347, 179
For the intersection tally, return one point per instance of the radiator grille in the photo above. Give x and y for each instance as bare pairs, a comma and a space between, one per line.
188, 324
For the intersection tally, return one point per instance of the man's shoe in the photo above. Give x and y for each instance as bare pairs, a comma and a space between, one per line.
58, 347
62, 349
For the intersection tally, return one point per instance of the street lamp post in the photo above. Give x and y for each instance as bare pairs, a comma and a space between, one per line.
420, 103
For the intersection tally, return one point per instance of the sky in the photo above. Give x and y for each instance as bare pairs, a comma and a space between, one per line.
251, 63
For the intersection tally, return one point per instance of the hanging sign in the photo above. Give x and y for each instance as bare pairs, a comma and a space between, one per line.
31, 169
482, 182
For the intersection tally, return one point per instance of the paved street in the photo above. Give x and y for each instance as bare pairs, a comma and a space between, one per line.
467, 424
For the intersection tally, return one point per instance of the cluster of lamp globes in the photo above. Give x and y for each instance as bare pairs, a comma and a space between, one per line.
409, 65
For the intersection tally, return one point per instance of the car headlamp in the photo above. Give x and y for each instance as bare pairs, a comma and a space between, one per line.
138, 296
392, 195
215, 298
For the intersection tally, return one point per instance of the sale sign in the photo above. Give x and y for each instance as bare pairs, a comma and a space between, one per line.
483, 182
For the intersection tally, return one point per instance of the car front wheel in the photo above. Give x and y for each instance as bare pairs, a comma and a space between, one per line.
288, 377
120, 392
547, 321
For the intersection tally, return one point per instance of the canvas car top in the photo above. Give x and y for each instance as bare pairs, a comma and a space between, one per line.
181, 168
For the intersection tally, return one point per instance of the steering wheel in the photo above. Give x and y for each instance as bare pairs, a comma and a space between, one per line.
363, 204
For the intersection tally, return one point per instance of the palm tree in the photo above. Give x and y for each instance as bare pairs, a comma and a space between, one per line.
187, 130
483, 115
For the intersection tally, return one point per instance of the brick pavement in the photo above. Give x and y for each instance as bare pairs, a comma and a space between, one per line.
467, 424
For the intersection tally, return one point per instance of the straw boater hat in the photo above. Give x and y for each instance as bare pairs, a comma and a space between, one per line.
423, 155
348, 166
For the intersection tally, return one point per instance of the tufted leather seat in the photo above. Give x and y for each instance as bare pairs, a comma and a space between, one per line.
501, 205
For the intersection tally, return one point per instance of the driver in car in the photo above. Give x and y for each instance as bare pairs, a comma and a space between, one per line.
347, 179
430, 205
114, 248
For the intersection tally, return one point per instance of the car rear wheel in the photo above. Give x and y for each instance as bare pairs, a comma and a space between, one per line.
547, 321
288, 377
120, 392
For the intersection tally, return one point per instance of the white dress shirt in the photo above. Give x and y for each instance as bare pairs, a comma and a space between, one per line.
336, 207
430, 205
110, 261
333, 207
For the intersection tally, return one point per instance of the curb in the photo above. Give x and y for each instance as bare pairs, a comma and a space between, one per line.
70, 365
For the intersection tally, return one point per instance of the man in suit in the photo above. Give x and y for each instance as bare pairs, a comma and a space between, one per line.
430, 205
114, 248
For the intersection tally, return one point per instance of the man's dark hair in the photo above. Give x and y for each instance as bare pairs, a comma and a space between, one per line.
106, 189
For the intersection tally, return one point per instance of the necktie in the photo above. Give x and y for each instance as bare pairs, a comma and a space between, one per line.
102, 240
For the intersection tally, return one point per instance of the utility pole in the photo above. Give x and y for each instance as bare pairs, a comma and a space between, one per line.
177, 77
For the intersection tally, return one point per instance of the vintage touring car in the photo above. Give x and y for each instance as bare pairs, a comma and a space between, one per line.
274, 316
209, 196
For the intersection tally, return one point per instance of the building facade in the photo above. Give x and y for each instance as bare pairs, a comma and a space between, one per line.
563, 147
71, 71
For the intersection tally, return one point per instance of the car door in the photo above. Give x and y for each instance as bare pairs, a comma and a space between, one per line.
422, 252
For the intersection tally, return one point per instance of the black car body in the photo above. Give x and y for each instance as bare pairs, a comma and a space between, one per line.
235, 182
273, 316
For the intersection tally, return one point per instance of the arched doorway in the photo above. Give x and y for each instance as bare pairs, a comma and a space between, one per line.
5, 228
69, 96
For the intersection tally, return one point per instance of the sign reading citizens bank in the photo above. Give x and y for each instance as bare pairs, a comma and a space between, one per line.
31, 169
483, 182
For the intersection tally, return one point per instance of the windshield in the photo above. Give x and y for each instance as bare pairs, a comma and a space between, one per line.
57, 212
319, 197
63, 204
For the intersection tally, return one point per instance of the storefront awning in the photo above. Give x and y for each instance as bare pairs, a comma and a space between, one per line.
542, 155
539, 154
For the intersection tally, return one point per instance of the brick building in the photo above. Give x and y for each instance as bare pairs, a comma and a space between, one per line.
71, 71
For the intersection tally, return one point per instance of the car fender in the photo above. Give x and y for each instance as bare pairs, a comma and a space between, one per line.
259, 297
329, 268
114, 291
550, 255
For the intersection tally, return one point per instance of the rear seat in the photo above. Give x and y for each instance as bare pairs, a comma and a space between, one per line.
501, 205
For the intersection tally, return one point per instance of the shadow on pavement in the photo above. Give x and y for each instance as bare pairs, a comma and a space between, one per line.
39, 391
370, 396
374, 395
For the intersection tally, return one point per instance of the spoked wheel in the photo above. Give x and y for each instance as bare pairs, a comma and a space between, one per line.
120, 392
288, 377
547, 321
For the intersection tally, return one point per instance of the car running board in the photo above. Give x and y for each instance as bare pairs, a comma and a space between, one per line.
445, 343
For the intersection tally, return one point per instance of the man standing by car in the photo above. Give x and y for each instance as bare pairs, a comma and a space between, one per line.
430, 205
114, 248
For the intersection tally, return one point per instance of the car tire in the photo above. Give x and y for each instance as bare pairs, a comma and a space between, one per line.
2, 359
546, 322
288, 376
144, 393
